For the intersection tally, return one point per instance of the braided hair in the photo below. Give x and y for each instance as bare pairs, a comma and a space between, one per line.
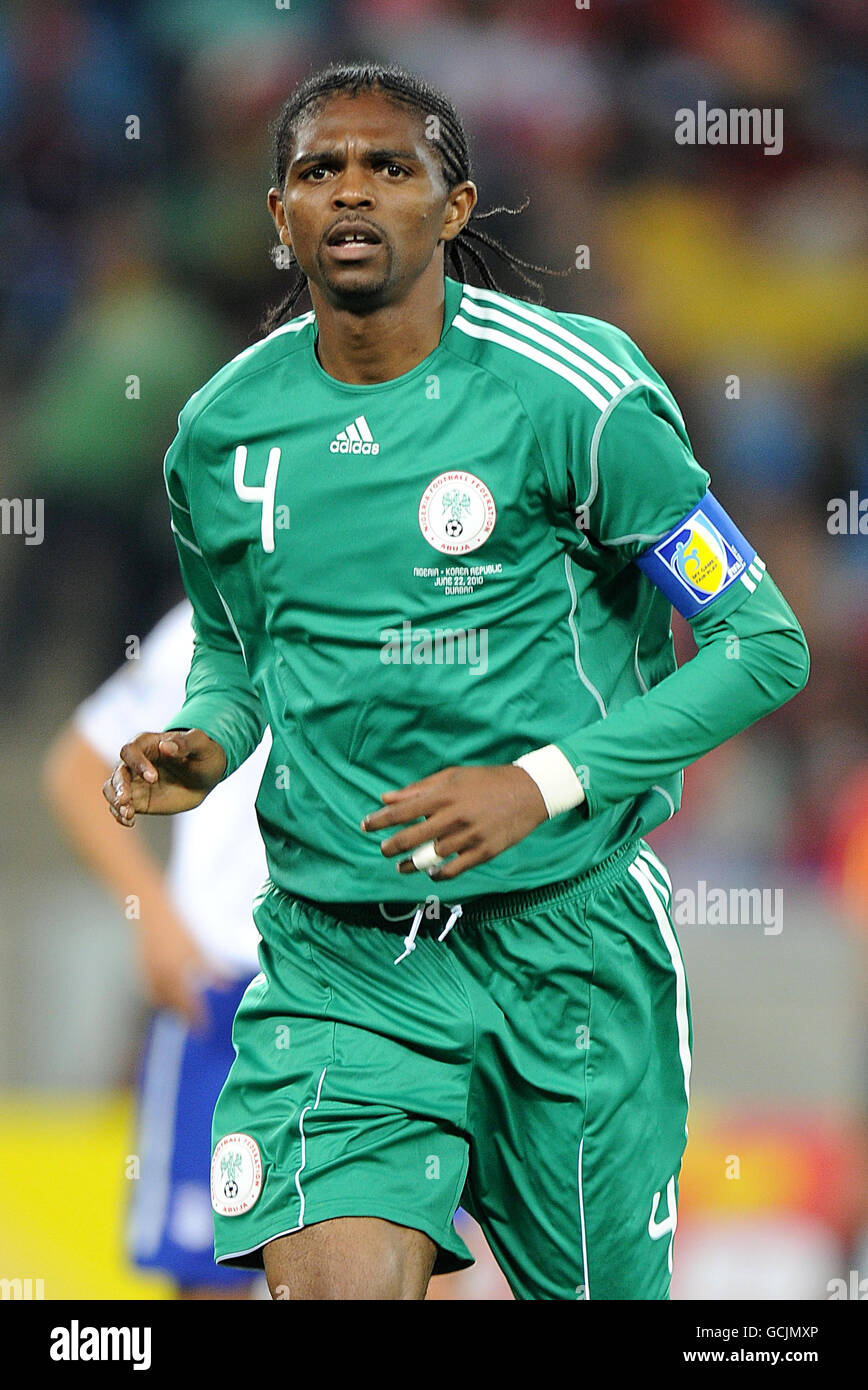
448, 137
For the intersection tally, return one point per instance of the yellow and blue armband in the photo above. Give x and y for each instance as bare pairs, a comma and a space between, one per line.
700, 558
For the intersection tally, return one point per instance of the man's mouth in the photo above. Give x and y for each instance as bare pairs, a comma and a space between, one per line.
353, 241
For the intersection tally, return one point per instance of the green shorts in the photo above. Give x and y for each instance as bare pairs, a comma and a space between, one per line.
533, 1067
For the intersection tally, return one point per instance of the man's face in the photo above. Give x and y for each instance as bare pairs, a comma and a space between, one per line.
365, 203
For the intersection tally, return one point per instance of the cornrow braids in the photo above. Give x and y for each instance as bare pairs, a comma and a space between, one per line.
443, 127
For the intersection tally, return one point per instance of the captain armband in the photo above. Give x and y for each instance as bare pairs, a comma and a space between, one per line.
700, 558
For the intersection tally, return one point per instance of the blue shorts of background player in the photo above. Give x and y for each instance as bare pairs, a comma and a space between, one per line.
169, 1225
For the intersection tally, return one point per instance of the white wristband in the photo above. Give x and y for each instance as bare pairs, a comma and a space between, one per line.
553, 773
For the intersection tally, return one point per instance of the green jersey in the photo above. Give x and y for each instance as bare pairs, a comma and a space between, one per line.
437, 570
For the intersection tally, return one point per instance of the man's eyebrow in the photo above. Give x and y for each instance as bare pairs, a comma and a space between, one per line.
333, 156
381, 156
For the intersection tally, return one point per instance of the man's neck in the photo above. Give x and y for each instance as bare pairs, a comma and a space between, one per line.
364, 349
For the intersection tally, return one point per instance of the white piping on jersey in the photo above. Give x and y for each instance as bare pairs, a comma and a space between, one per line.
232, 624
495, 316
664, 793
294, 326
303, 1147
639, 676
595, 441
493, 335
179, 505
651, 890
598, 430
183, 539
656, 788
556, 330
550, 330
571, 620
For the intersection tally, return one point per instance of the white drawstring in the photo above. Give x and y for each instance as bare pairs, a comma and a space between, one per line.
453, 918
410, 938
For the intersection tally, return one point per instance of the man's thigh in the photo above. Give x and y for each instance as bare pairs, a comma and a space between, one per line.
350, 1258
347, 1098
578, 1122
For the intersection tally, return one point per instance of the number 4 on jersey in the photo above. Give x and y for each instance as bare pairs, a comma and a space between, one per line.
264, 495
658, 1229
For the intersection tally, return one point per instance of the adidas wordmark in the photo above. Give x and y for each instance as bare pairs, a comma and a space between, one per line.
355, 439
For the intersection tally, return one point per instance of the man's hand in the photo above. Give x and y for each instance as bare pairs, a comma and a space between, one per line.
473, 813
174, 969
162, 774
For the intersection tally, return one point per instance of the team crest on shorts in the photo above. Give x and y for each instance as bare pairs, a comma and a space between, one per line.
457, 513
236, 1175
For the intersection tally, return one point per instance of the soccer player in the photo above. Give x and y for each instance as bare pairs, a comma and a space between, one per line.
433, 535
197, 947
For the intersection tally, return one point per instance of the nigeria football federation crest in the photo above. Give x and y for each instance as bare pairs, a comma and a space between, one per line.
236, 1175
457, 513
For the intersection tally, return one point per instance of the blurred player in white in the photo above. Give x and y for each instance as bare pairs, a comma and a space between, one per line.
197, 949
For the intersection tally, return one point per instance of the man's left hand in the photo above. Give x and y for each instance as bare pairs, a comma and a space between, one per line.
472, 813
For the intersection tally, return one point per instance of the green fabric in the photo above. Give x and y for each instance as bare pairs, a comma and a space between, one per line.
751, 659
549, 440
530, 1068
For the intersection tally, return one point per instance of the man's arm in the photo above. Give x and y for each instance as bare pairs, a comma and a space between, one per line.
221, 701
748, 664
170, 960
222, 720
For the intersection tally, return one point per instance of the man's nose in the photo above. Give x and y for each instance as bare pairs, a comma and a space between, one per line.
353, 189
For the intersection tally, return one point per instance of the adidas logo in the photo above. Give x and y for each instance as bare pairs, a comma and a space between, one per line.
355, 439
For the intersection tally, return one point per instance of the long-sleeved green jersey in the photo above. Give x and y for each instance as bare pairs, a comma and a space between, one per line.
460, 565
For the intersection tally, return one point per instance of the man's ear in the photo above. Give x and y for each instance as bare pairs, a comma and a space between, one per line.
278, 214
462, 201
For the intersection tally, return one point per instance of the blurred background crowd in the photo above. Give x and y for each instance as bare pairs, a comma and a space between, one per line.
132, 268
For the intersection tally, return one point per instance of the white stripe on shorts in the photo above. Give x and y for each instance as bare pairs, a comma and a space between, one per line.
585, 1279
651, 889
303, 1152
650, 860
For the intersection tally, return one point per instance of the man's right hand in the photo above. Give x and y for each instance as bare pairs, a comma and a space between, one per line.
161, 774
174, 967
